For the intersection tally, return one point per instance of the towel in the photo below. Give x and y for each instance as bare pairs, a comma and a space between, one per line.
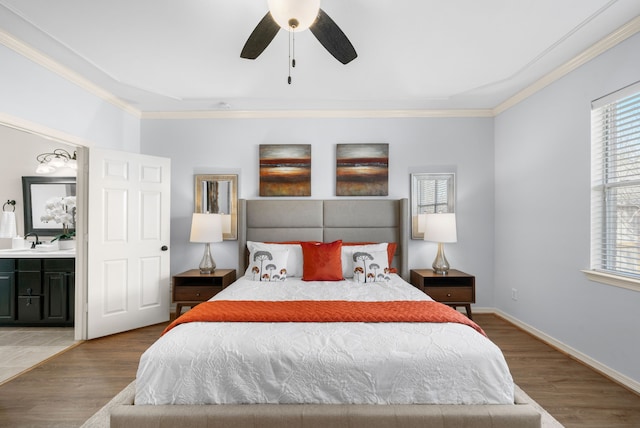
8, 225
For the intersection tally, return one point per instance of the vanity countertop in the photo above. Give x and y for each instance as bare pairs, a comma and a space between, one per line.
27, 253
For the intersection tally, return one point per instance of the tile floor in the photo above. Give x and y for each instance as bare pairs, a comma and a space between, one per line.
23, 347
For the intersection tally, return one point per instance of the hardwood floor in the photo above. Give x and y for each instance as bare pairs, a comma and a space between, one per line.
574, 394
68, 389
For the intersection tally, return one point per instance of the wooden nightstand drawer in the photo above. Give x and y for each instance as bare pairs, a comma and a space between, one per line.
196, 293
192, 287
450, 294
455, 289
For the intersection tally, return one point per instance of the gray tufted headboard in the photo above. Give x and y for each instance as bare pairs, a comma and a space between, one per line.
352, 220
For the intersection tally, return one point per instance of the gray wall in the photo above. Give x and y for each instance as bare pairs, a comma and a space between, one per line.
415, 145
36, 95
542, 148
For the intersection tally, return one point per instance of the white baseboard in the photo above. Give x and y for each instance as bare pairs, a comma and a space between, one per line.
612, 374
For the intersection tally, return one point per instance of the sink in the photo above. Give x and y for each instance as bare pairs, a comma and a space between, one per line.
43, 250
38, 249
46, 247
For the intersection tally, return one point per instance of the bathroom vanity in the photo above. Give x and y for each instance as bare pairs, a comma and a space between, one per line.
37, 288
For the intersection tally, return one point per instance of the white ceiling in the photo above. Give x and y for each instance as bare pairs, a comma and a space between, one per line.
180, 55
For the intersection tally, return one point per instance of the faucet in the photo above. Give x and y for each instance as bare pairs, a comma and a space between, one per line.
34, 243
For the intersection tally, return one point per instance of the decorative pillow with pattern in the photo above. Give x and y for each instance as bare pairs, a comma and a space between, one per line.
294, 260
267, 265
349, 249
370, 266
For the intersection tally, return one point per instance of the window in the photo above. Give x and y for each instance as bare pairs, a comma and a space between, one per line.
615, 172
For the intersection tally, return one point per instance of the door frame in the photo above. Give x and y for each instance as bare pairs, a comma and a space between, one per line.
82, 147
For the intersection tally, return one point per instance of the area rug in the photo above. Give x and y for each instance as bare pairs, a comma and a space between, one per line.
101, 418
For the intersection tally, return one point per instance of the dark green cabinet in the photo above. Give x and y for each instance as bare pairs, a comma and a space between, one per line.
29, 284
58, 275
7, 290
37, 291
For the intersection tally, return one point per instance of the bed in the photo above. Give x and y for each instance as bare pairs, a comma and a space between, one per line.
309, 373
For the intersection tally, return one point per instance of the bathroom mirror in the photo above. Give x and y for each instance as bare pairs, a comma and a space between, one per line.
218, 194
40, 191
431, 193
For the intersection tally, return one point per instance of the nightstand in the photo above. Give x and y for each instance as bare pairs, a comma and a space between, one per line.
456, 288
192, 287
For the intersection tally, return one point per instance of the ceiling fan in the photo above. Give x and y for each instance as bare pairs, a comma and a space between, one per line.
295, 16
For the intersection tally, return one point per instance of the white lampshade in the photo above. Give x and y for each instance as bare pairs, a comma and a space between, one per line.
206, 228
440, 227
44, 168
303, 11
58, 162
72, 163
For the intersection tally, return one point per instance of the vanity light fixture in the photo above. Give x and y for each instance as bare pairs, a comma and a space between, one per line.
206, 228
59, 158
440, 228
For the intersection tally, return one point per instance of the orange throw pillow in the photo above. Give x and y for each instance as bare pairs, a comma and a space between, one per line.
321, 262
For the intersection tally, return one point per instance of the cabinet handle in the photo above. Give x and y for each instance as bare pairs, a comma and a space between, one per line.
198, 294
29, 291
448, 294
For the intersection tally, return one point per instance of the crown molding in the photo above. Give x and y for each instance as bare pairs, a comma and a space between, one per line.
41, 130
316, 114
39, 58
621, 34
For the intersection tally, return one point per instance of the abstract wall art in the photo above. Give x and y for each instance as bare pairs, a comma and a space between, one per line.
285, 169
362, 170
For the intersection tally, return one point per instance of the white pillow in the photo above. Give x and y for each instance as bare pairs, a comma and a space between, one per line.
347, 255
294, 261
370, 266
269, 266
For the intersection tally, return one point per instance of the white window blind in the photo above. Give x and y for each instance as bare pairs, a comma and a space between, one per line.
433, 195
615, 171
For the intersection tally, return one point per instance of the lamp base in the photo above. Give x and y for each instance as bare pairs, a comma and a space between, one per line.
440, 264
207, 265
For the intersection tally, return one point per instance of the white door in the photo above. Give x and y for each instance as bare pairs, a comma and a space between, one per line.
128, 239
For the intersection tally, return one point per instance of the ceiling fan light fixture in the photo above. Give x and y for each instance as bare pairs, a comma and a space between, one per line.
302, 13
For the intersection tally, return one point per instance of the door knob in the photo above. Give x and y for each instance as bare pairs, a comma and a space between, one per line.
164, 248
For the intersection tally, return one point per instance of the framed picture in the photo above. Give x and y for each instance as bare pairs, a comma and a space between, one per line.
362, 170
49, 205
430, 193
285, 169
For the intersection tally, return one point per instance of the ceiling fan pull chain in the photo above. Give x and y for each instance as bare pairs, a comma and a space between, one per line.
289, 78
293, 49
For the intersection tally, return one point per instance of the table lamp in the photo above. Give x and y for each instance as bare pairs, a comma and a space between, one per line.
440, 228
206, 228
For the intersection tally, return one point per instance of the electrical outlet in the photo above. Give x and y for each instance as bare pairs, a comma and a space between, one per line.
514, 294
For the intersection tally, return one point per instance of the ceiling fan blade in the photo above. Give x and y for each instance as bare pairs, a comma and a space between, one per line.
332, 38
260, 38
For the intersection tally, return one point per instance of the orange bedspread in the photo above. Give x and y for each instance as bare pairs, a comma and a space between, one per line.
322, 311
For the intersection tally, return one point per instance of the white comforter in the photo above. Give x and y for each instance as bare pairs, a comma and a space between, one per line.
355, 363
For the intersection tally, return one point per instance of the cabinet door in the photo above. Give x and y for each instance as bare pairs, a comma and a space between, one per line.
29, 309
7, 297
56, 296
71, 296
